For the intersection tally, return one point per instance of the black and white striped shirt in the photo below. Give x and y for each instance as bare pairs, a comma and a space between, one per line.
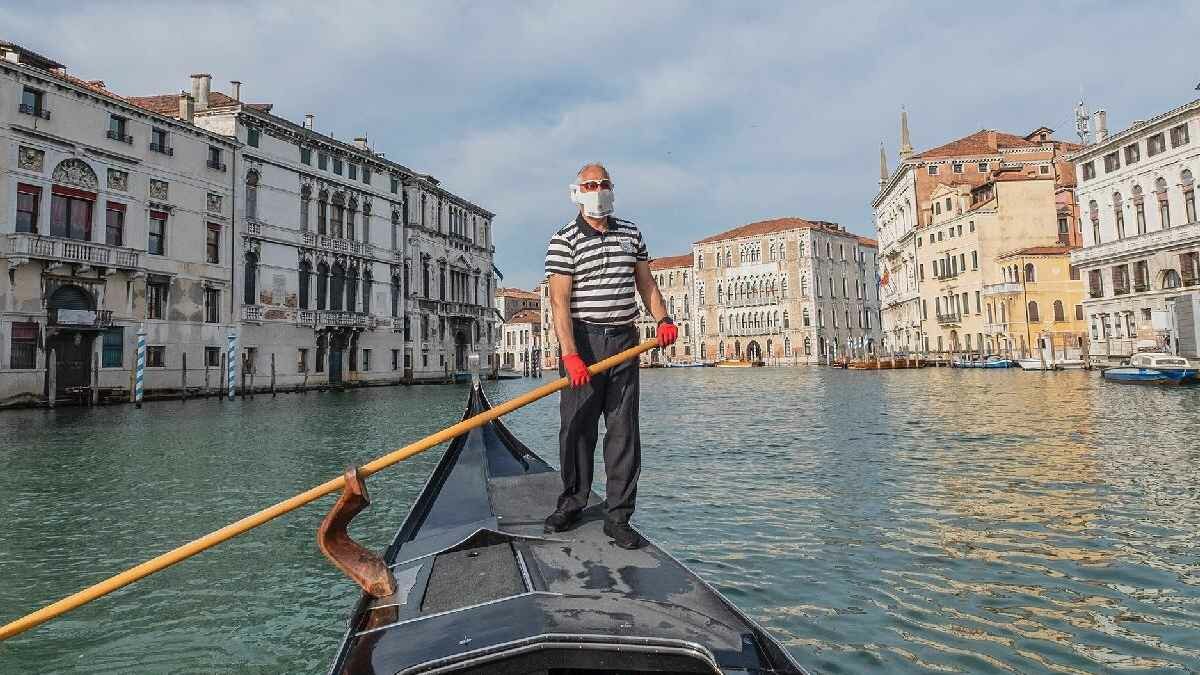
601, 265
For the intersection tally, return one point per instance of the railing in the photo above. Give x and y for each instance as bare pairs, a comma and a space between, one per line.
252, 313
320, 317
338, 244
1001, 289
757, 301
80, 318
36, 111
71, 250
949, 318
118, 136
164, 149
1121, 290
214, 164
253, 228
995, 328
461, 309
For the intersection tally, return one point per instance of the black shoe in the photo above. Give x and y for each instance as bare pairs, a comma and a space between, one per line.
623, 535
561, 521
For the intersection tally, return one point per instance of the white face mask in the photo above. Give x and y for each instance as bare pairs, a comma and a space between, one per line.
598, 204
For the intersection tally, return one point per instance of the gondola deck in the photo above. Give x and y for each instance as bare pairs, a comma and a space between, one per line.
480, 588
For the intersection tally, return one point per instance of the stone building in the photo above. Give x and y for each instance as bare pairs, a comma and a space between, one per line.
521, 341
785, 291
349, 266
112, 217
906, 202
1141, 241
509, 301
1038, 303
674, 276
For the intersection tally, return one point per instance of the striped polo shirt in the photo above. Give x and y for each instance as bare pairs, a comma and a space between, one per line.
601, 265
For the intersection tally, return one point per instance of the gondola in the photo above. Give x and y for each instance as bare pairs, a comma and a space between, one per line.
478, 587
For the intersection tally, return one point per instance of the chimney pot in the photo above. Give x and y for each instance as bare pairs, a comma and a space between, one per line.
201, 84
361, 142
237, 90
1101, 126
187, 107
991, 138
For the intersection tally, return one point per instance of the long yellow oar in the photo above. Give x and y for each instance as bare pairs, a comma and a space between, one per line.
250, 522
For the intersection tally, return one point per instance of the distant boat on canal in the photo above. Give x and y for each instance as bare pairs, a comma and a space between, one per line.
989, 362
1154, 368
738, 363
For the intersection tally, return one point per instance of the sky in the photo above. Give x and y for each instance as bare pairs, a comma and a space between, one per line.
709, 115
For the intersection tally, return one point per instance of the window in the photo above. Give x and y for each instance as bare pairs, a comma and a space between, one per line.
367, 175
322, 162
937, 208
1059, 313
1119, 213
114, 224
212, 357
212, 244
974, 260
156, 356
957, 167
156, 299
70, 215
322, 217
395, 359
983, 167
1079, 312
977, 302
212, 305
157, 243
1044, 169
116, 129
1179, 135
214, 158
1089, 171
1189, 195
1155, 144
1030, 273
932, 169
971, 225
28, 201
305, 282
32, 103
352, 171
1133, 153
306, 156
1112, 162
249, 285
395, 187
301, 360
337, 165
1033, 311
23, 345
252, 137
1164, 210
366, 360
160, 141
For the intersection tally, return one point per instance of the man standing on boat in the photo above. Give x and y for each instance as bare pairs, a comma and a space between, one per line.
594, 264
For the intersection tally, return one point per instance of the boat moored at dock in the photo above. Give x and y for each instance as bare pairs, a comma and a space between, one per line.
1154, 368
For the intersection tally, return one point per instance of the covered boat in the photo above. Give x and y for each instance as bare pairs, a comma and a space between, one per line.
1154, 367
475, 586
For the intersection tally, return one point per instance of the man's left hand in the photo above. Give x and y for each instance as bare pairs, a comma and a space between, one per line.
667, 333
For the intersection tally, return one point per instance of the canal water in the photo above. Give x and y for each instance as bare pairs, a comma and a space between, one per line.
908, 521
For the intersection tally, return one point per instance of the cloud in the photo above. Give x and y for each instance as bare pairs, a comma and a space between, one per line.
710, 114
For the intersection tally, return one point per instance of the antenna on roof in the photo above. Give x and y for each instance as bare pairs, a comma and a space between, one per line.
1082, 122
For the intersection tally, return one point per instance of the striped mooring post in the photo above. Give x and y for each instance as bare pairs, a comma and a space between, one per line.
231, 363
140, 374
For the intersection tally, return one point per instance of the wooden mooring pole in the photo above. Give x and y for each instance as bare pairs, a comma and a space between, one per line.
183, 377
52, 369
272, 374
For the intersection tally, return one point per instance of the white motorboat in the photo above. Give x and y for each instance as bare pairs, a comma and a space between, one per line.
1036, 364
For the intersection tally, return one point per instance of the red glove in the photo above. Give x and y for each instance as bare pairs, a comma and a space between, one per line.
577, 372
667, 334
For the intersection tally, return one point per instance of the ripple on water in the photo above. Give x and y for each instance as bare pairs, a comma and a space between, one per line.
924, 521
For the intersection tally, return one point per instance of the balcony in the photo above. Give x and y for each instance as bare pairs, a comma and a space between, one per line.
1121, 290
995, 328
321, 317
949, 319
252, 313
164, 149
36, 111
253, 228
80, 318
1143, 286
461, 309
1001, 289
115, 135
215, 165
338, 244
71, 250
1095, 292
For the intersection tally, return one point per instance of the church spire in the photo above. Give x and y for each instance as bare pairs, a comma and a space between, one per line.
883, 170
906, 149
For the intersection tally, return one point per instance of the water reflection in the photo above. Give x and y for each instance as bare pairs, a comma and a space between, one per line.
907, 521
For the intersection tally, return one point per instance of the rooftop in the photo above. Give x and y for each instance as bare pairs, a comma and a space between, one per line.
1040, 250
991, 142
168, 104
526, 316
671, 261
516, 293
775, 225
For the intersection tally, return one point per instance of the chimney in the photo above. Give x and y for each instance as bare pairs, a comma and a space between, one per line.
906, 148
237, 90
991, 138
361, 142
187, 107
308, 121
201, 83
1101, 126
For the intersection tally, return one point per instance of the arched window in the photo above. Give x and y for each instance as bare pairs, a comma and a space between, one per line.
1033, 312
323, 212
250, 292
351, 210
807, 346
703, 350
1059, 314
703, 327
1119, 214
305, 197
1170, 279
252, 195
1094, 214
322, 284
785, 319
1003, 313
395, 295
1030, 273
721, 348
803, 287
366, 292
787, 347
783, 287
1189, 195
305, 282
805, 318
337, 287
1164, 211
351, 289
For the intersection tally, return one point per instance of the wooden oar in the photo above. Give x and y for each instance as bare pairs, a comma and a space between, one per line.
250, 522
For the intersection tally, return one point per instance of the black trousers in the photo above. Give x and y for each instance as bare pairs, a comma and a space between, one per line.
615, 394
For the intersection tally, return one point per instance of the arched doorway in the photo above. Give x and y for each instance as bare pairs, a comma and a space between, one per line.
71, 337
737, 349
337, 347
460, 350
753, 351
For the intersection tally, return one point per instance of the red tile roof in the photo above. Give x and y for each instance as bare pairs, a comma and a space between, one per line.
516, 293
867, 241
526, 316
671, 261
775, 225
168, 104
982, 142
1041, 250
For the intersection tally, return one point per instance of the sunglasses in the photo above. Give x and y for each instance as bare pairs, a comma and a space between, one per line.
594, 185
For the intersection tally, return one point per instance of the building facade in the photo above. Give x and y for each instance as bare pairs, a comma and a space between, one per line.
674, 276
785, 291
1038, 303
1141, 240
907, 202
349, 267
509, 301
521, 342
113, 219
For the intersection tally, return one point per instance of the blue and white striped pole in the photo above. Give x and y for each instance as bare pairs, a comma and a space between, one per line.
231, 363
140, 374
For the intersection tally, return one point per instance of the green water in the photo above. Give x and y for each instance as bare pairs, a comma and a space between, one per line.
908, 521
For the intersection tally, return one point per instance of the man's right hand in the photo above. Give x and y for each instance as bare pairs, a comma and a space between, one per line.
577, 372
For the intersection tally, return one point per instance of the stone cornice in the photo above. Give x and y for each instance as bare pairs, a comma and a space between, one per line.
1115, 141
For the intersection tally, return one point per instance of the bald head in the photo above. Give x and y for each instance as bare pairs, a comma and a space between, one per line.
592, 171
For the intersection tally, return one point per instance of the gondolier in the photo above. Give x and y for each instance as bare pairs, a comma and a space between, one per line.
594, 264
